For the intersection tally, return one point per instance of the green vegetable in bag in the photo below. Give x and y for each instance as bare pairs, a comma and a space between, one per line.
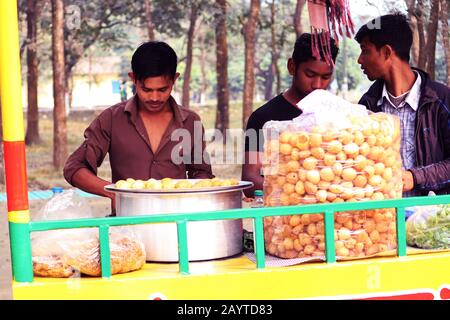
429, 227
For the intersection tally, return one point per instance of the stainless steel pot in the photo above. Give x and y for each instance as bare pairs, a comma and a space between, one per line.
206, 239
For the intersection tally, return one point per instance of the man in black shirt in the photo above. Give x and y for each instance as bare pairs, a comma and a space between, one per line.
308, 74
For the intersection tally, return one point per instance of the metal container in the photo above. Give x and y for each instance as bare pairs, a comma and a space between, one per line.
206, 239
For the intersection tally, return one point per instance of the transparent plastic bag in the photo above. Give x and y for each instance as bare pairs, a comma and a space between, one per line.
72, 252
429, 227
313, 159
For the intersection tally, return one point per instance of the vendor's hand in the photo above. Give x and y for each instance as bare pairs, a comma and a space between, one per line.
408, 181
113, 204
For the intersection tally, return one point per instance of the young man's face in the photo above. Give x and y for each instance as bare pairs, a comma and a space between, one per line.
154, 92
310, 75
372, 61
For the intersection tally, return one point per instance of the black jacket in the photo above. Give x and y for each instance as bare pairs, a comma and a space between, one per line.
432, 133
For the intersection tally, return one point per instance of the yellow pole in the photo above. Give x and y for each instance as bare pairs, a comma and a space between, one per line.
10, 82
13, 142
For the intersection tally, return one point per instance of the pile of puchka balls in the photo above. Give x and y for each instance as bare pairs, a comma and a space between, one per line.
323, 165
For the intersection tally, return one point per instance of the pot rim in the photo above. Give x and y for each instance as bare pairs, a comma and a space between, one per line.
241, 186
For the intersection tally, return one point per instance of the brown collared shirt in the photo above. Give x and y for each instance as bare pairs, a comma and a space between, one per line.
120, 131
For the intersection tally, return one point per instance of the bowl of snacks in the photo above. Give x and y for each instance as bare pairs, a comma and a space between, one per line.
206, 239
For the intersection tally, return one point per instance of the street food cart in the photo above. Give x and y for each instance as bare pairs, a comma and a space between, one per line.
409, 274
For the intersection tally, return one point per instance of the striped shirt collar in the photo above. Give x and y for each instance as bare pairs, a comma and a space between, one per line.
413, 96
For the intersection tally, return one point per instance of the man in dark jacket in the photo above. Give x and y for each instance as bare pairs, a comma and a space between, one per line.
422, 105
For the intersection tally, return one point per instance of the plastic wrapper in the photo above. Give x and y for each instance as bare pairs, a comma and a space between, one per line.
429, 227
333, 152
73, 252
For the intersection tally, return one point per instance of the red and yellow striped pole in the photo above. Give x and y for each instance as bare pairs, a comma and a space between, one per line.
13, 141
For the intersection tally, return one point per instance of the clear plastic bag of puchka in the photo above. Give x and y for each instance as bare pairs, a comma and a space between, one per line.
72, 252
429, 227
314, 159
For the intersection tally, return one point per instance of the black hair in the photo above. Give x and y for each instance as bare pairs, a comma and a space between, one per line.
303, 49
391, 29
154, 59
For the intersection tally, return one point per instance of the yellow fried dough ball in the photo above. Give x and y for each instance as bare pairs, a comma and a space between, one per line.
322, 195
310, 163
318, 153
285, 148
379, 168
138, 184
315, 140
348, 174
293, 166
285, 137
364, 149
122, 184
310, 188
183, 184
358, 138
300, 188
334, 147
329, 159
327, 174
292, 177
360, 181
337, 168
294, 199
295, 154
313, 176
288, 188
351, 149
323, 185
304, 154
346, 137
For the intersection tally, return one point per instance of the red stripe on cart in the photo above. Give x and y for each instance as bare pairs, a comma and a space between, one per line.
16, 175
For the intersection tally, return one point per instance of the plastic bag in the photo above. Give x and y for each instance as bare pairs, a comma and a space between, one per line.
429, 227
72, 252
333, 152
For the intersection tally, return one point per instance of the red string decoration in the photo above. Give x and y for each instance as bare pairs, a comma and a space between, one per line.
326, 17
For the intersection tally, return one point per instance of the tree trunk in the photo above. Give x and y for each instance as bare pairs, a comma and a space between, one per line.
189, 54
431, 38
250, 42
268, 82
410, 4
69, 89
298, 17
420, 14
32, 134
223, 99
149, 19
275, 51
59, 112
203, 61
445, 36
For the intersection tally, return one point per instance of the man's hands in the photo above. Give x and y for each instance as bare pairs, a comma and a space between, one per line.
113, 203
408, 181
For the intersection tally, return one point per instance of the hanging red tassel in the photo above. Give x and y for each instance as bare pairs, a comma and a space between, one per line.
326, 17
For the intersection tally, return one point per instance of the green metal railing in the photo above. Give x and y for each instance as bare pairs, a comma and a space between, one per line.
21, 243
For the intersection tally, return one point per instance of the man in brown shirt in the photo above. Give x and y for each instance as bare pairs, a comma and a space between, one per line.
141, 134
